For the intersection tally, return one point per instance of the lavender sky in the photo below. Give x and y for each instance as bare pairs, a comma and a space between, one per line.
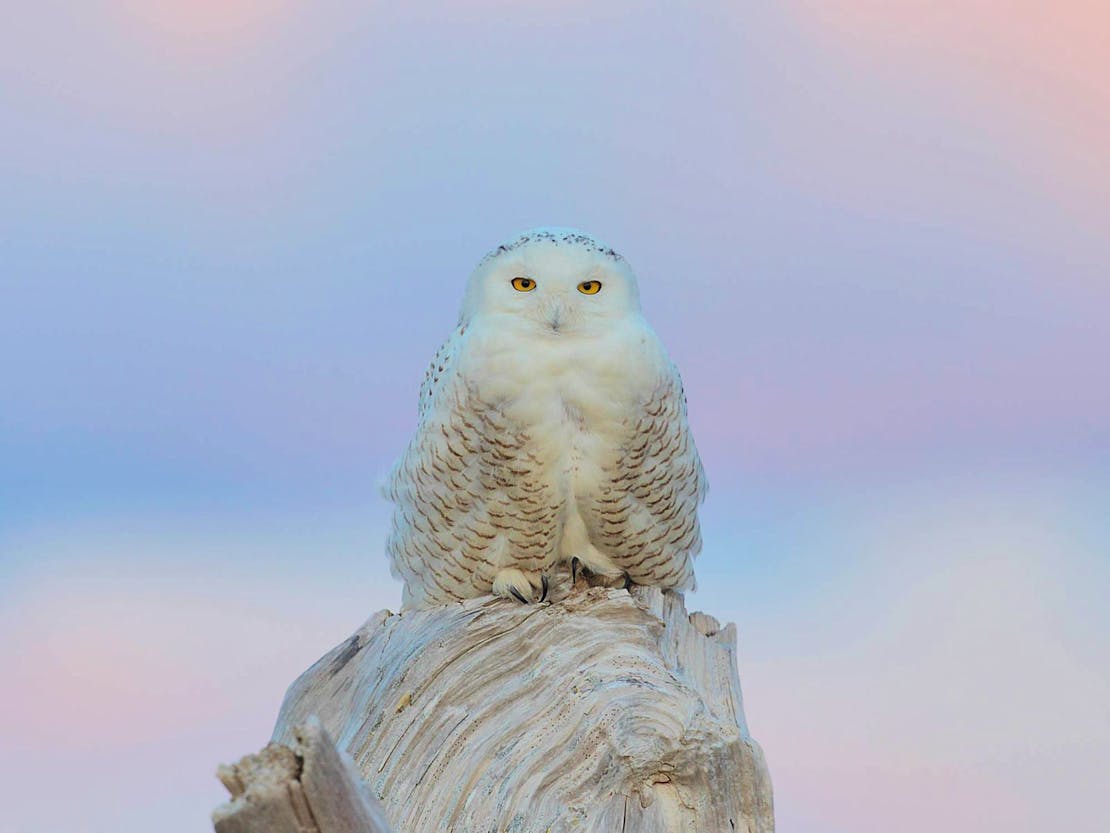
873, 236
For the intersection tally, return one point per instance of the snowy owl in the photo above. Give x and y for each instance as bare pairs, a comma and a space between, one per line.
552, 434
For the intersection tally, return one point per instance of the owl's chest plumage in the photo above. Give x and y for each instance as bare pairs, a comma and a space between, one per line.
570, 396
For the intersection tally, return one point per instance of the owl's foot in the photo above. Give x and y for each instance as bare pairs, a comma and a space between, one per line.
516, 584
595, 578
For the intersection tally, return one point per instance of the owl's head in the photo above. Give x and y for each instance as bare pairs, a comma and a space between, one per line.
557, 280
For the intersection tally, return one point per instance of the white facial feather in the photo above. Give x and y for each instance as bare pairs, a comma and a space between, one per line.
552, 427
558, 260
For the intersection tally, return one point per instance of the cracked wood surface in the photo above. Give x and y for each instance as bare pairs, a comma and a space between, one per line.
601, 711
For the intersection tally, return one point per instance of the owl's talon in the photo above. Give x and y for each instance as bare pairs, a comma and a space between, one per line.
543, 581
574, 564
628, 582
516, 593
512, 583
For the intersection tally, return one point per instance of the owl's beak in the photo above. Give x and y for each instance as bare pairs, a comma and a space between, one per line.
557, 315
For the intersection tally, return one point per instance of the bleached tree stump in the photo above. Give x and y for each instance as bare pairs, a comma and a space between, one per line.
603, 711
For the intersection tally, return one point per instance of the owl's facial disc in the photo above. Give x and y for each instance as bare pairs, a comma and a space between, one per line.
554, 301
552, 286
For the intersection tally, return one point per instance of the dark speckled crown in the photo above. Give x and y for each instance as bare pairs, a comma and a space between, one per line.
558, 236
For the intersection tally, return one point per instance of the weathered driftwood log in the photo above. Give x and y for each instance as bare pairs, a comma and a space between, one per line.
602, 711
307, 787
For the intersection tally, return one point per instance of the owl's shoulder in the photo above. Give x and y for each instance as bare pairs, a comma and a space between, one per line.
442, 369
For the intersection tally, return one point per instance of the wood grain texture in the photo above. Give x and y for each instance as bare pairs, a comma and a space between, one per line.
602, 711
306, 786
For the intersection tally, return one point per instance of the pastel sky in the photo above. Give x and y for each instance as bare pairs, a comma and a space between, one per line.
872, 234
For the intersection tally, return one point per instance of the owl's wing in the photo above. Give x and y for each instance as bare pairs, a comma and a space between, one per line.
469, 497
417, 489
645, 517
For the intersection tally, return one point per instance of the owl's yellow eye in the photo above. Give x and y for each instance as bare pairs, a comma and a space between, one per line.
589, 287
523, 284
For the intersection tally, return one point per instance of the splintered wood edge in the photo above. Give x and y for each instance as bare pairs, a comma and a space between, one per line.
308, 788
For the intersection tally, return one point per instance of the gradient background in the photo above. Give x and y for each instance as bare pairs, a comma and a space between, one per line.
873, 235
